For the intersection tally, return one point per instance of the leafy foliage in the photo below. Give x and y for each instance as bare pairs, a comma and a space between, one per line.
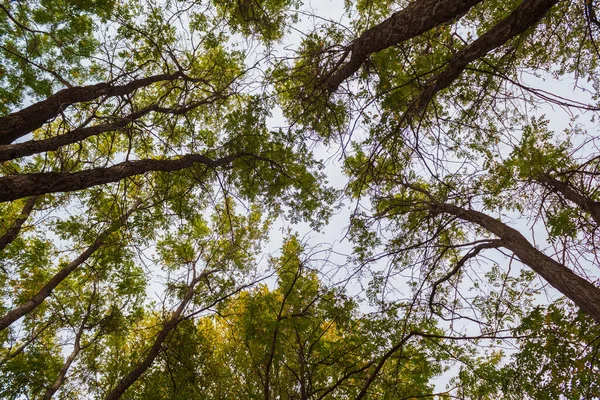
150, 149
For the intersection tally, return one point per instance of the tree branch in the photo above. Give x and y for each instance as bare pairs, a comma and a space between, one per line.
25, 308
471, 254
582, 292
381, 363
168, 326
527, 14
20, 123
417, 18
13, 151
583, 202
12, 232
14, 187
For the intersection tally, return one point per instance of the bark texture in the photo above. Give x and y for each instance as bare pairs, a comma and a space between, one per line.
12, 151
415, 19
582, 292
526, 15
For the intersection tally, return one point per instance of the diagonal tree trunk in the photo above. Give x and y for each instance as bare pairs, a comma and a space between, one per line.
583, 293
30, 305
381, 363
15, 228
168, 326
23, 346
16, 150
526, 15
77, 347
582, 201
417, 18
20, 123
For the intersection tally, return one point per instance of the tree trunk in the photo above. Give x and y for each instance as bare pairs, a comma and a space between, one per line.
583, 293
25, 308
12, 232
134, 375
522, 18
14, 187
417, 18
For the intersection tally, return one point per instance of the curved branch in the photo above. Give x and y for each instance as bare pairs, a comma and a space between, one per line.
77, 347
168, 326
344, 378
275, 333
471, 254
381, 363
23, 346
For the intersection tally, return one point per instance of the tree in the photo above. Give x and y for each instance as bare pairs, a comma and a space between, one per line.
138, 151
300, 340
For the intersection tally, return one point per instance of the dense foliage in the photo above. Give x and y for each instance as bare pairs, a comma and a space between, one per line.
150, 151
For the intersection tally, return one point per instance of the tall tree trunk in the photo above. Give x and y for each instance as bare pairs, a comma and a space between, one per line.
582, 201
527, 14
417, 18
12, 232
16, 150
20, 123
168, 326
583, 293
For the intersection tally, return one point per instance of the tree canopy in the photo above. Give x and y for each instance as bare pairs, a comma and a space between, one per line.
154, 152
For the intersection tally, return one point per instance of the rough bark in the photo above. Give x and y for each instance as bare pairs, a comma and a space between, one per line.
20, 123
415, 19
526, 15
25, 308
13, 151
582, 292
583, 202
14, 187
15, 228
